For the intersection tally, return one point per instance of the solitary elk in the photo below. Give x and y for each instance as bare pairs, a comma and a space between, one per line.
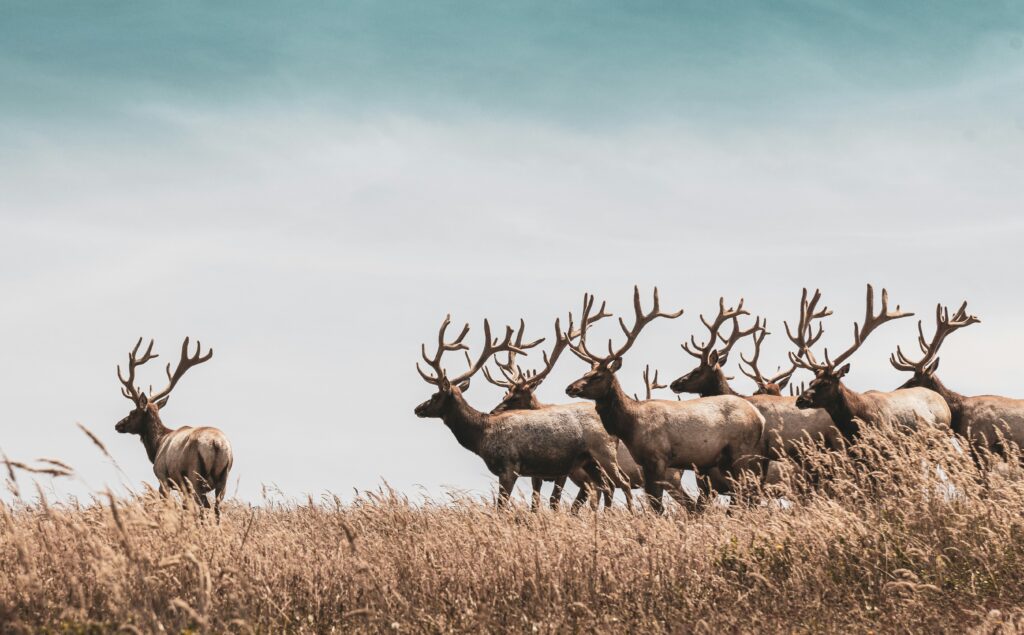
723, 432
981, 419
785, 423
848, 408
545, 443
190, 459
520, 388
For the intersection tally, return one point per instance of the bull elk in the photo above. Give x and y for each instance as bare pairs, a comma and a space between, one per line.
981, 419
849, 409
195, 460
785, 423
723, 432
545, 443
520, 394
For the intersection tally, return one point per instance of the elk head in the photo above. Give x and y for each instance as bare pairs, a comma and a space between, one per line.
520, 386
598, 382
924, 368
707, 378
803, 339
447, 388
147, 408
824, 389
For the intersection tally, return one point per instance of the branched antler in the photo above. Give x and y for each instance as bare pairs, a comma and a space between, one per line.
703, 351
491, 347
640, 321
944, 325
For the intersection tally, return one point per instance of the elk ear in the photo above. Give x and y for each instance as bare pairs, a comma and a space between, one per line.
615, 365
444, 385
163, 402
783, 382
934, 366
713, 359
841, 372
464, 386
143, 400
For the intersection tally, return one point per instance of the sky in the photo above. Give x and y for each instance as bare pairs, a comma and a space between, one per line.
309, 188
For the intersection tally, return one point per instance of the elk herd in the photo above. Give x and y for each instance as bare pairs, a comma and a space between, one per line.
610, 441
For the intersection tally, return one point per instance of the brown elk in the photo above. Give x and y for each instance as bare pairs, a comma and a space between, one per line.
785, 423
195, 460
981, 419
723, 432
520, 388
545, 443
849, 409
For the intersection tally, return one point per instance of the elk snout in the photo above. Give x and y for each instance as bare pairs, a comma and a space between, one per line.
121, 425
575, 389
679, 385
421, 410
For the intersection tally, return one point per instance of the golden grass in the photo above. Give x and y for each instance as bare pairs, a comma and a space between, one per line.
887, 546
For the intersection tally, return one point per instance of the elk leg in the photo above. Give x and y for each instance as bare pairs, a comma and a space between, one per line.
653, 478
556, 492
627, 491
602, 483
505, 484
535, 500
581, 497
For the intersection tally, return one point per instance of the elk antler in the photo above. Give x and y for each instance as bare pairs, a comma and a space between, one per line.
513, 374
651, 384
944, 325
641, 320
703, 351
129, 389
491, 347
186, 362
860, 333
780, 379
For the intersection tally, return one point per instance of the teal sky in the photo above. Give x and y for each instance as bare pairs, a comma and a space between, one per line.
589, 64
310, 187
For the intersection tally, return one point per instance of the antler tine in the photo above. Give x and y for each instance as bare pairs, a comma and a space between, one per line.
129, 389
738, 334
752, 362
442, 347
186, 362
703, 351
871, 322
944, 325
651, 384
641, 320
580, 349
491, 347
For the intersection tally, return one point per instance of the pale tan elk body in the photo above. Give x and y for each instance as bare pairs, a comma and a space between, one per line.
849, 409
547, 443
520, 388
981, 419
195, 460
785, 424
717, 432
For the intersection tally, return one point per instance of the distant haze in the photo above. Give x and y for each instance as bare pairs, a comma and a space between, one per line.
310, 190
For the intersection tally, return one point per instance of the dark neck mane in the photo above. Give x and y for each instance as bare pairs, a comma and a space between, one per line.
718, 386
618, 412
954, 400
843, 410
153, 435
466, 422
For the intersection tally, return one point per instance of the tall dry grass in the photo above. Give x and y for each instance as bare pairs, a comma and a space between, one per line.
904, 534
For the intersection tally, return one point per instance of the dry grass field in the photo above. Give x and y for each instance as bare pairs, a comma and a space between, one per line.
892, 543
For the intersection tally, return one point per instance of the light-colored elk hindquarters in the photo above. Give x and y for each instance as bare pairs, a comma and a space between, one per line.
723, 432
545, 443
191, 459
848, 408
982, 419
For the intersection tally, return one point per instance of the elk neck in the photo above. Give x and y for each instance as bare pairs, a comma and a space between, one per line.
153, 435
717, 386
468, 424
618, 412
844, 408
954, 400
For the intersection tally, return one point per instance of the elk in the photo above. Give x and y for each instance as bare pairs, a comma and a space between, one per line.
723, 432
785, 423
850, 409
520, 388
546, 443
195, 460
982, 419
